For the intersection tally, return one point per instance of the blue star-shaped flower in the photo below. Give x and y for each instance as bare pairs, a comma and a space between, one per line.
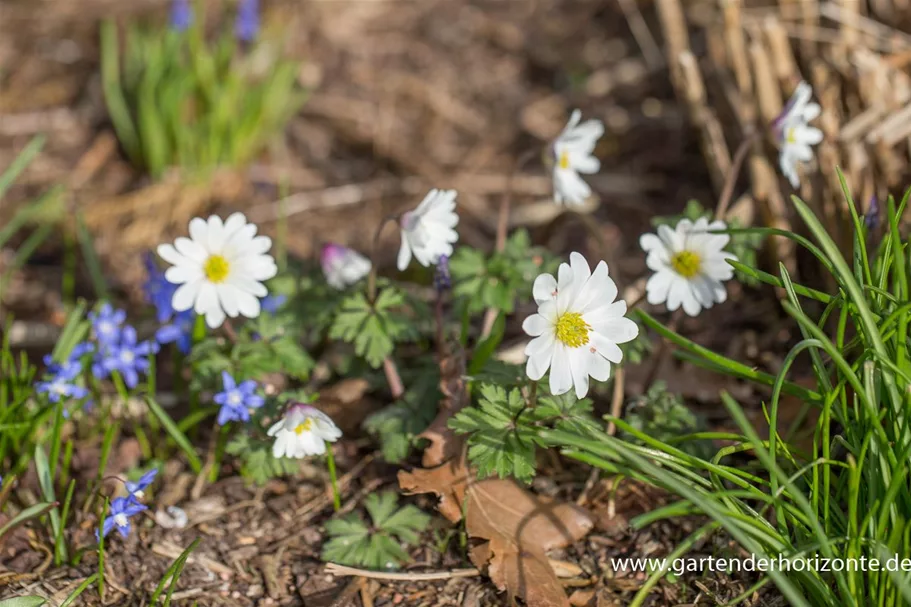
62, 381
179, 330
272, 303
119, 513
246, 25
236, 400
128, 357
137, 489
158, 291
106, 324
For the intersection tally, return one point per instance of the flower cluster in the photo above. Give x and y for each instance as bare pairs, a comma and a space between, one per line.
121, 509
63, 380
116, 347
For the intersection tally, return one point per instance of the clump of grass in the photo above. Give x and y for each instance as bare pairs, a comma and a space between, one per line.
177, 99
847, 500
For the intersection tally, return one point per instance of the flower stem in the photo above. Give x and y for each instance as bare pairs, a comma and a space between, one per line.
393, 378
330, 461
229, 330
371, 278
727, 191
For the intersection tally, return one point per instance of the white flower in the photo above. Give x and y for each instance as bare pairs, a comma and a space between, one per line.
689, 265
429, 231
303, 431
577, 327
572, 154
343, 266
220, 268
794, 133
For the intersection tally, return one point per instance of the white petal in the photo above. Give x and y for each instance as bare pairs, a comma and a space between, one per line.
543, 344
599, 367
690, 304
545, 288
216, 234
561, 379
578, 366
191, 250
585, 164
199, 231
606, 348
227, 297
181, 274
185, 295
619, 330
404, 254
206, 299
215, 316
247, 304
658, 286
535, 325
170, 254
233, 223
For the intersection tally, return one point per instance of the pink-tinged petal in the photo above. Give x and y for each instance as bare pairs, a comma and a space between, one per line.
545, 288
606, 348
404, 257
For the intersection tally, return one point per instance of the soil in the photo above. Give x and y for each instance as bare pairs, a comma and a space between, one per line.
405, 96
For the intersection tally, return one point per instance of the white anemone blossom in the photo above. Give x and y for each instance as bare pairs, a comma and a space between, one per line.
342, 266
303, 431
577, 327
428, 231
794, 133
572, 154
689, 265
220, 268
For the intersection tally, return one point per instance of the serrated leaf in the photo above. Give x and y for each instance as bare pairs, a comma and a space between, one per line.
372, 329
377, 546
566, 412
501, 437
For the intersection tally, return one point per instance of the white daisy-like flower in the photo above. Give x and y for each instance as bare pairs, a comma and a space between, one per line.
572, 154
429, 231
342, 266
690, 265
794, 133
220, 268
577, 327
303, 431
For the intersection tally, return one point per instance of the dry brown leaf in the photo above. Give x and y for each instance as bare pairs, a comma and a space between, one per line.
444, 446
518, 526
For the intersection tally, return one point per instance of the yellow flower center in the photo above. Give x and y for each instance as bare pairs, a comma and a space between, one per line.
572, 329
686, 263
216, 268
304, 426
564, 160
791, 136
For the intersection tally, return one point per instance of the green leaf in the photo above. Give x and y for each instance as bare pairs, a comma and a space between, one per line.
23, 601
375, 329
29, 513
501, 434
179, 437
377, 546
257, 462
566, 412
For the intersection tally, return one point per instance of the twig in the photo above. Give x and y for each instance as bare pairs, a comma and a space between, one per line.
639, 28
490, 315
393, 378
336, 569
728, 191
371, 278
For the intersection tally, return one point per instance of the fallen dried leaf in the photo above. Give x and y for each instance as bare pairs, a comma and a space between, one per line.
518, 525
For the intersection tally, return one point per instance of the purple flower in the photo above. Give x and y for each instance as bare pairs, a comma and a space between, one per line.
179, 330
272, 303
871, 219
106, 324
236, 400
246, 26
181, 15
128, 357
442, 279
158, 291
62, 381
119, 513
342, 266
136, 489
